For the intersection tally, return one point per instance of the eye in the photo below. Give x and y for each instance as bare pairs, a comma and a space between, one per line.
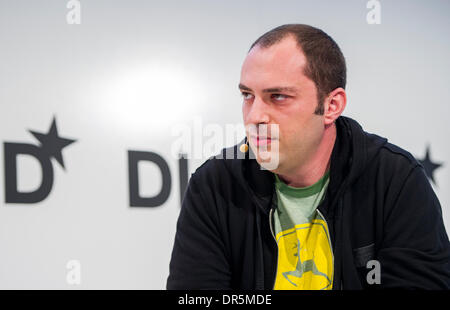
278, 97
246, 96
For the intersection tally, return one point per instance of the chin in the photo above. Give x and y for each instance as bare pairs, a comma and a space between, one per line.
269, 162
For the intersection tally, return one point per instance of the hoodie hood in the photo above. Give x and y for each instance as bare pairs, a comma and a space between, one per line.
353, 150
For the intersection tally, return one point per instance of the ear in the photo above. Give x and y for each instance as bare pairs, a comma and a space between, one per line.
334, 105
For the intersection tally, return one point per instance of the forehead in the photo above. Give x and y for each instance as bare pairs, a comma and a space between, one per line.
282, 62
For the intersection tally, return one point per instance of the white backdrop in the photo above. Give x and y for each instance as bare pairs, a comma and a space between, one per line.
131, 71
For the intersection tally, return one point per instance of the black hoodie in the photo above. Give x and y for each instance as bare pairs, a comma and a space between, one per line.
379, 205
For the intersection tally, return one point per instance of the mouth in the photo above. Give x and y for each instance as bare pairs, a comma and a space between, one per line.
260, 141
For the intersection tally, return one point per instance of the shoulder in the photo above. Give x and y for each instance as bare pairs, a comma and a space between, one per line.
403, 173
397, 160
391, 168
221, 167
402, 156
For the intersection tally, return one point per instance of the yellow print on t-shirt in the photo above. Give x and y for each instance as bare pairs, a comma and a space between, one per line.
305, 258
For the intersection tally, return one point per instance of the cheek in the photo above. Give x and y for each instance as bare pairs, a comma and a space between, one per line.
244, 112
292, 124
298, 133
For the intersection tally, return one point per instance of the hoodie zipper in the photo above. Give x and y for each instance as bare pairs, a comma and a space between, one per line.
273, 235
329, 241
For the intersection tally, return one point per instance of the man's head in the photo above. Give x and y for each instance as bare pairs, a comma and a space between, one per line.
293, 76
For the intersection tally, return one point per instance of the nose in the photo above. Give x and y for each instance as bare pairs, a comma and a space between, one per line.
257, 112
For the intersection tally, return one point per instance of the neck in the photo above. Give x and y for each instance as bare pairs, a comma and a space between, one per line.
317, 166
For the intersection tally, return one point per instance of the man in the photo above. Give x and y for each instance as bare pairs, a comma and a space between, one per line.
341, 209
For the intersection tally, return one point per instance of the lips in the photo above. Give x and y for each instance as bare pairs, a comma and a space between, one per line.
258, 140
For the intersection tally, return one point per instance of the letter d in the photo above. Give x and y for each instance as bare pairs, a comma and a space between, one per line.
12, 195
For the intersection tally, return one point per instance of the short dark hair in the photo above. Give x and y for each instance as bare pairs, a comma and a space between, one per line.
325, 63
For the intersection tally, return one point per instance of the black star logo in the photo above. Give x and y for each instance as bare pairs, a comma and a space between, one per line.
51, 143
428, 165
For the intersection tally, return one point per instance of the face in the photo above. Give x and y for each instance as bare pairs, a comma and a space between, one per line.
276, 91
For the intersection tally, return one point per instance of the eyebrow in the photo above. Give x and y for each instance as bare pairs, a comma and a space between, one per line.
278, 89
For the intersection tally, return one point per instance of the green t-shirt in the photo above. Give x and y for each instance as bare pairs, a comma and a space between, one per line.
305, 257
